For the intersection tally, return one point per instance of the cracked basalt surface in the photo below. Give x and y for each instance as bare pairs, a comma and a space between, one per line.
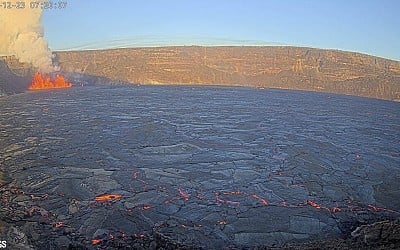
205, 167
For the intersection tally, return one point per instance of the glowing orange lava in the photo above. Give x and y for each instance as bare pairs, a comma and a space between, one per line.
313, 204
108, 197
263, 201
316, 205
185, 195
43, 82
336, 209
59, 224
96, 241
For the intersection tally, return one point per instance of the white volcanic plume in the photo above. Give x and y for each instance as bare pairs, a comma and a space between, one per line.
21, 35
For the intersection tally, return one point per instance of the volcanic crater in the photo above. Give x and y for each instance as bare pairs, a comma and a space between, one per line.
195, 167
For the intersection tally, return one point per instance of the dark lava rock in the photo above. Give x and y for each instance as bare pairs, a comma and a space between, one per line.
213, 168
379, 233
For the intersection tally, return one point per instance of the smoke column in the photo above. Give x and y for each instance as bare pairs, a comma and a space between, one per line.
21, 35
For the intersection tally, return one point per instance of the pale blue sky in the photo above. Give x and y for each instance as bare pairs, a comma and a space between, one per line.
367, 26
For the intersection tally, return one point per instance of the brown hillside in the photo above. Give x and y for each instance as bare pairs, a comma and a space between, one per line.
272, 67
276, 67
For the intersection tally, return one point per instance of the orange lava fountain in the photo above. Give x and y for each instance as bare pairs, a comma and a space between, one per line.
42, 82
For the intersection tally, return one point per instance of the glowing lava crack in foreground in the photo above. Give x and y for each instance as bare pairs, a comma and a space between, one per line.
42, 82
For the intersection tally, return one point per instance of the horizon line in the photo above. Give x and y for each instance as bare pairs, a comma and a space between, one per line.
138, 46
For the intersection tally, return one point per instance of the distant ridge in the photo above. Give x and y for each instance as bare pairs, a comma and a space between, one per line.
284, 67
259, 66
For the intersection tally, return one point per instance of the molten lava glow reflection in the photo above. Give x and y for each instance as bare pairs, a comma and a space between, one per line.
43, 82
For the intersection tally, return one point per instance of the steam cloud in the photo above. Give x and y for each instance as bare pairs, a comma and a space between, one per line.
21, 35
